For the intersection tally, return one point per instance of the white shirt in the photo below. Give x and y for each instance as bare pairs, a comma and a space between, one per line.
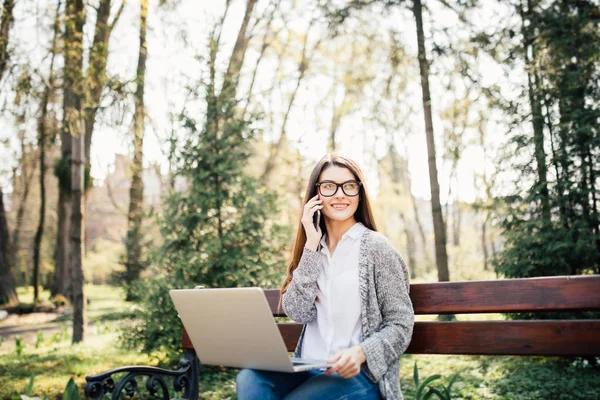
337, 325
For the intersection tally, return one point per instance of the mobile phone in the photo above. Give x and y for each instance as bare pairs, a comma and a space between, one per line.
317, 219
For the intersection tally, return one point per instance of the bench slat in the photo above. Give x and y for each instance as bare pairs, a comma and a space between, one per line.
543, 338
566, 293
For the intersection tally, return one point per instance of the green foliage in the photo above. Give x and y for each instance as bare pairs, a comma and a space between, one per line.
553, 227
39, 339
584, 363
19, 346
425, 390
71, 391
102, 262
537, 248
62, 170
59, 336
220, 231
29, 388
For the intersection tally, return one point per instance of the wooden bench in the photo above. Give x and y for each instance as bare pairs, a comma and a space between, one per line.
504, 337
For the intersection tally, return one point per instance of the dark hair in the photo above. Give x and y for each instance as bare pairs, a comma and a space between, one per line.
363, 213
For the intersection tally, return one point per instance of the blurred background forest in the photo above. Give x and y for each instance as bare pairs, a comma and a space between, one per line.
161, 144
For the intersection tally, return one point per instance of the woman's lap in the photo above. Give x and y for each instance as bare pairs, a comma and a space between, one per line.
255, 384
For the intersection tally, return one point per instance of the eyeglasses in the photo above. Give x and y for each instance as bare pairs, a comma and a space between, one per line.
329, 188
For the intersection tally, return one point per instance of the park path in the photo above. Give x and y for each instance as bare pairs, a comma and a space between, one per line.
27, 326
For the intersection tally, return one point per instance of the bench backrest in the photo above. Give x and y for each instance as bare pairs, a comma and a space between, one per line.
539, 337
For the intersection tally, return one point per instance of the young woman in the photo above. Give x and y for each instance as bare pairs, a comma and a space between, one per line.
350, 288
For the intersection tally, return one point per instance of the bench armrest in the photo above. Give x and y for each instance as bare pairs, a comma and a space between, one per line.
185, 380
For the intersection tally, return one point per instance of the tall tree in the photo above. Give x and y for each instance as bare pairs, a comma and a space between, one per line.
134, 262
95, 80
73, 130
530, 50
44, 137
230, 80
8, 293
28, 168
5, 26
62, 271
439, 230
266, 42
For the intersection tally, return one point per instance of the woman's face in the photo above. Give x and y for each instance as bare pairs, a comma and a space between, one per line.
338, 207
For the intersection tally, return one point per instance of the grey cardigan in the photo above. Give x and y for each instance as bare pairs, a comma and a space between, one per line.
387, 315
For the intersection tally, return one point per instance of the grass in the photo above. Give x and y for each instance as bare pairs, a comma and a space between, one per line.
480, 377
53, 364
54, 360
504, 377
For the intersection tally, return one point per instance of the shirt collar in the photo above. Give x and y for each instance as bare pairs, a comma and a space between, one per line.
354, 232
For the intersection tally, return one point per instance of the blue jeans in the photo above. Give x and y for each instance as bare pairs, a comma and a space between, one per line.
255, 384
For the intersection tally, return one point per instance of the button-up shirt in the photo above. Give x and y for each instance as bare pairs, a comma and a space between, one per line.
338, 324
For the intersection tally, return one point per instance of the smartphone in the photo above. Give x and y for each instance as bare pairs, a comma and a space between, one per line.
317, 219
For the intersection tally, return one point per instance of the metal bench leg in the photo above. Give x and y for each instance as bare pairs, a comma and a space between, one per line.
185, 380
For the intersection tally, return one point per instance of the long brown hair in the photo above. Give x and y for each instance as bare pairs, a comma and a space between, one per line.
363, 213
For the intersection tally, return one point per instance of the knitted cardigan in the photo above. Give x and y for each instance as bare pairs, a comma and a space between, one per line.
387, 315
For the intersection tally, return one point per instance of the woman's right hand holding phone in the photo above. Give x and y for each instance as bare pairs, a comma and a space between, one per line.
313, 236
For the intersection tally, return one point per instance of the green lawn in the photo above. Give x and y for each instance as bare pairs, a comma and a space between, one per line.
55, 360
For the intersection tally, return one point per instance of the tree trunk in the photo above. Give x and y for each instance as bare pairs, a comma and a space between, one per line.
230, 81
27, 177
133, 264
595, 221
42, 143
555, 162
456, 222
77, 239
436, 208
537, 118
410, 247
96, 76
5, 25
408, 180
8, 293
72, 95
400, 176
417, 217
37, 242
62, 271
73, 126
263, 49
484, 247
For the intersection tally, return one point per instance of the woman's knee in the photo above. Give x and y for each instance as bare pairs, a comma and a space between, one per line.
246, 377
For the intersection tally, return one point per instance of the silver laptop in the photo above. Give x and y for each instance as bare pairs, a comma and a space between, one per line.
235, 328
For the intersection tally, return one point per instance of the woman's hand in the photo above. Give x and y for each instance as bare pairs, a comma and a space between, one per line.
347, 362
313, 236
